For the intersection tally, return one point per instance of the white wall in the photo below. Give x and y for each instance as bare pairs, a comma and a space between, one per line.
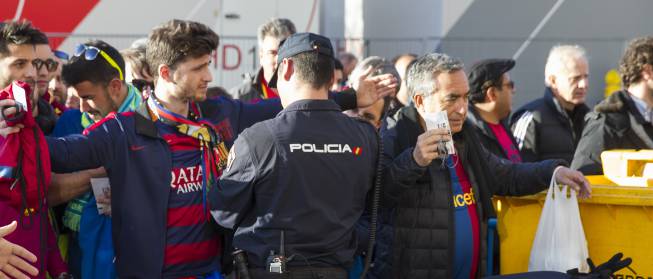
392, 25
452, 10
252, 13
119, 22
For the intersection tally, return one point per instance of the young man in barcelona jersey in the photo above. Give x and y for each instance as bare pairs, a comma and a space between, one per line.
163, 158
436, 205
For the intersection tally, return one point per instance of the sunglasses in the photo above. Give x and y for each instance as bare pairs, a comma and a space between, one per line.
142, 84
50, 64
91, 52
61, 55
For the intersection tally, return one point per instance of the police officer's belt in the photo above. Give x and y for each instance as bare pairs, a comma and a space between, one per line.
301, 273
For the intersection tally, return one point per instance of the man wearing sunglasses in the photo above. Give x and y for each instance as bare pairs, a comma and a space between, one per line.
46, 66
490, 101
21, 62
95, 72
57, 90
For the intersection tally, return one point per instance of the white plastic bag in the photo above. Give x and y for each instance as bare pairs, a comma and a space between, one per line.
559, 243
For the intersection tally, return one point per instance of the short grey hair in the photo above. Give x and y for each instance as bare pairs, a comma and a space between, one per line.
380, 65
559, 56
279, 28
421, 75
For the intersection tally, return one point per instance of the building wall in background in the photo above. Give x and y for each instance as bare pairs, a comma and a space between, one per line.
498, 28
120, 22
387, 28
468, 29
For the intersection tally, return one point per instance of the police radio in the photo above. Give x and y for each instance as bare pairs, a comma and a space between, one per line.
276, 263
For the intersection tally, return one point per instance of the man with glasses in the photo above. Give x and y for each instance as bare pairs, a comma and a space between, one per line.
23, 63
46, 67
490, 101
550, 127
57, 90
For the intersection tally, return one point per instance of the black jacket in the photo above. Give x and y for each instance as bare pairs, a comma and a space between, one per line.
306, 172
615, 124
544, 130
416, 236
485, 134
250, 89
46, 119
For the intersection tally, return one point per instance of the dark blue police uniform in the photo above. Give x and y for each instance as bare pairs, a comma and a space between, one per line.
307, 173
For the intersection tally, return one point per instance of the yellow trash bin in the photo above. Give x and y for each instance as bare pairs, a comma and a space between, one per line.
615, 219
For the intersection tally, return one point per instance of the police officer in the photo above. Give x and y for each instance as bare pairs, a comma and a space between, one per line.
299, 180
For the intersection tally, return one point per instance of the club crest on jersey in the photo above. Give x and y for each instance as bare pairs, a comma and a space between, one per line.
332, 148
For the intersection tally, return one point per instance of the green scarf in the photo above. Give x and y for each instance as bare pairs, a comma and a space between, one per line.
73, 215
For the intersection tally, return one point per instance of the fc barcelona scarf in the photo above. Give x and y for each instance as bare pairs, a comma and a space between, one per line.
214, 151
73, 215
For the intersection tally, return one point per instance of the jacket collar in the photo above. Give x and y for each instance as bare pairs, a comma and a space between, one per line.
143, 122
305, 105
618, 101
474, 118
622, 101
145, 126
256, 81
552, 102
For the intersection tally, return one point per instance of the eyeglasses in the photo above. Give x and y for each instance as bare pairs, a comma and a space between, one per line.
510, 84
50, 64
91, 52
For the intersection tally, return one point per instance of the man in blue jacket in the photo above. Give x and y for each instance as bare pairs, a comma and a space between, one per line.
163, 158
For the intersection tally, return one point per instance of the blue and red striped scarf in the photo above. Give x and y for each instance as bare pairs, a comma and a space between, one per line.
214, 151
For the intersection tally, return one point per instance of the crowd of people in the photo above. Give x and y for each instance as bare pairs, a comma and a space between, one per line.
318, 164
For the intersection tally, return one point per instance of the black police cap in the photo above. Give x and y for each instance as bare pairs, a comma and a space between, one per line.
300, 43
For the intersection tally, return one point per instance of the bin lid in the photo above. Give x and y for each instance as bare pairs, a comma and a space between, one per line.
604, 191
627, 167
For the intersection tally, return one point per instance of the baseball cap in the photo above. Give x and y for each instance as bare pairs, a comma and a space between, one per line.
489, 69
299, 43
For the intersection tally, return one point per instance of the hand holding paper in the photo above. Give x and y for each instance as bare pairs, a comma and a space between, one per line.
102, 192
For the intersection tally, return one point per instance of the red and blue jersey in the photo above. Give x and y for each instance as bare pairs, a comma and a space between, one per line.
193, 245
466, 246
